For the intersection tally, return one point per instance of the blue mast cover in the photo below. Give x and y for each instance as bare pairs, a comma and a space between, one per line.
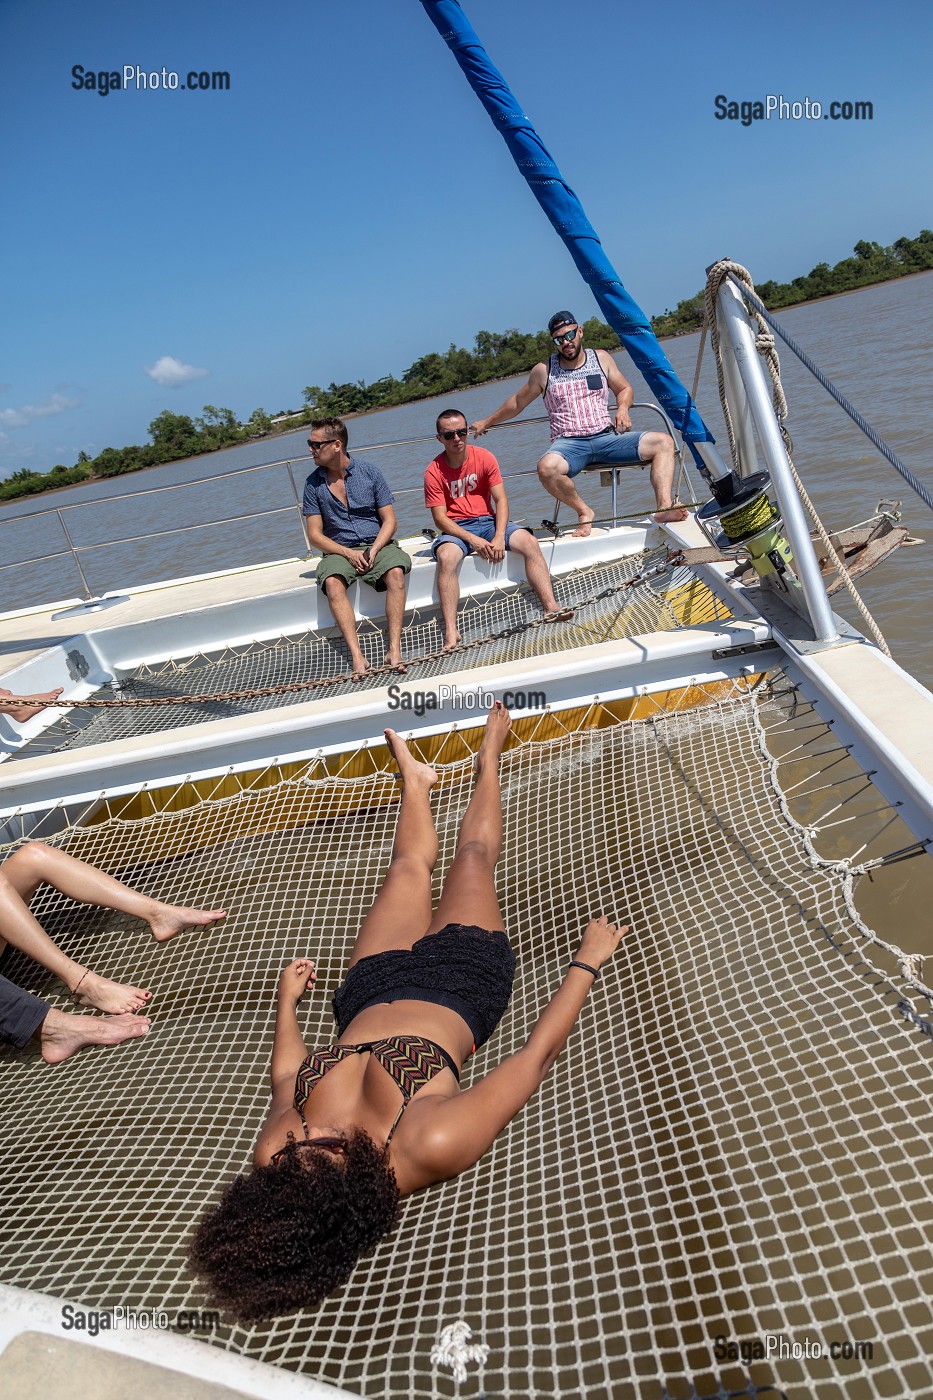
565, 212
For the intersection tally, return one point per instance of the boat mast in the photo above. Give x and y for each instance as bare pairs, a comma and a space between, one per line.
568, 218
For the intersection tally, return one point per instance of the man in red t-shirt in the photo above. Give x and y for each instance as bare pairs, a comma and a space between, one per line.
464, 492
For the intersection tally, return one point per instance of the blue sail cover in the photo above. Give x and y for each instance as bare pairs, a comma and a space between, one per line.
565, 212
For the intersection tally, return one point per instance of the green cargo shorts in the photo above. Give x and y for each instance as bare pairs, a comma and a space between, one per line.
390, 556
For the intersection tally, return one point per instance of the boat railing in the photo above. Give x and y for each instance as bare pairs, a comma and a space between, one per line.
74, 551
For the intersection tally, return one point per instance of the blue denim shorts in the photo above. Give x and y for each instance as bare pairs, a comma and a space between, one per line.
612, 448
482, 525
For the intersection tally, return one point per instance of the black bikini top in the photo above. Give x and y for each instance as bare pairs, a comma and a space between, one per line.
411, 1060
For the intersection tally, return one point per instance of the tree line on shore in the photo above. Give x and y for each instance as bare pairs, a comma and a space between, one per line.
496, 355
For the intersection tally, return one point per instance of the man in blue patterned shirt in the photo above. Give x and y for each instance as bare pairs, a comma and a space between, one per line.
350, 518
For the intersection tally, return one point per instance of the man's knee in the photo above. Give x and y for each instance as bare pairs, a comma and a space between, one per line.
334, 586
449, 557
394, 579
523, 542
656, 447
552, 465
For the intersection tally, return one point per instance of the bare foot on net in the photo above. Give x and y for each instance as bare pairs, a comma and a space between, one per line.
61, 1035
394, 659
23, 712
559, 615
413, 771
170, 919
498, 724
115, 998
359, 671
452, 641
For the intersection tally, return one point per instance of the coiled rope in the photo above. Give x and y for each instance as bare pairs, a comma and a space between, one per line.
886, 451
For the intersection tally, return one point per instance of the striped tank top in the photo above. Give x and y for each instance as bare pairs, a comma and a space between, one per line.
577, 400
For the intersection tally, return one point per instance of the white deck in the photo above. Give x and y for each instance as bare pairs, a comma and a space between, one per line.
43, 1353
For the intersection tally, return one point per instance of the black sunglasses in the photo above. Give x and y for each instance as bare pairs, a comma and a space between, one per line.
457, 433
568, 335
316, 443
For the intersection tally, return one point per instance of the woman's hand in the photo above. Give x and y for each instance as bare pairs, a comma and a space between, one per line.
296, 979
600, 940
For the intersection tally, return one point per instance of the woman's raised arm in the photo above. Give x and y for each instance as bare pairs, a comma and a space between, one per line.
288, 1047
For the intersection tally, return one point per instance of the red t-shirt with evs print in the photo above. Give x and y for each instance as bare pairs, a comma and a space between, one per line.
464, 492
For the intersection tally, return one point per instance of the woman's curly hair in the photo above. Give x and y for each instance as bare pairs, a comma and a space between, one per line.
285, 1236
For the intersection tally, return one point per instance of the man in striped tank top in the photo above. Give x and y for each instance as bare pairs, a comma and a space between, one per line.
575, 383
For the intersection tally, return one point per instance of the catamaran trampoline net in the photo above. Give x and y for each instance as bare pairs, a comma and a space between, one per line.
734, 1144
604, 610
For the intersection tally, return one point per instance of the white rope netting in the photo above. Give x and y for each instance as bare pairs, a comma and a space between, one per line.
736, 1141
610, 602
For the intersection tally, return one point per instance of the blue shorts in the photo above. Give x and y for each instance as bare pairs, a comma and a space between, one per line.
609, 447
482, 525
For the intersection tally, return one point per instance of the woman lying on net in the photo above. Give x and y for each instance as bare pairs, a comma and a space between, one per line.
355, 1126
35, 864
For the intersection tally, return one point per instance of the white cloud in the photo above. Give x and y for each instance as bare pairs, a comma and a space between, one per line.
22, 417
170, 372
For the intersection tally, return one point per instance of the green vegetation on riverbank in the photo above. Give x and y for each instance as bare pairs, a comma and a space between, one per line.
871, 264
494, 356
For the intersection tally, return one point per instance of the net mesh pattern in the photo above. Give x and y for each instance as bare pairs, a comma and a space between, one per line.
735, 1142
673, 599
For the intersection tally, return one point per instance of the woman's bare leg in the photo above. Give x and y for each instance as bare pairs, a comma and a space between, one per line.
35, 864
402, 908
469, 894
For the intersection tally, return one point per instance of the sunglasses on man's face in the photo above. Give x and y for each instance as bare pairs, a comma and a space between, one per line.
457, 433
316, 444
568, 335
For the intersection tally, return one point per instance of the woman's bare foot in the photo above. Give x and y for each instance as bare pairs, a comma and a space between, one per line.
169, 919
61, 1035
23, 712
115, 998
412, 769
498, 724
587, 516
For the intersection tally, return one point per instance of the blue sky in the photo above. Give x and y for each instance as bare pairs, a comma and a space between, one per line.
347, 206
